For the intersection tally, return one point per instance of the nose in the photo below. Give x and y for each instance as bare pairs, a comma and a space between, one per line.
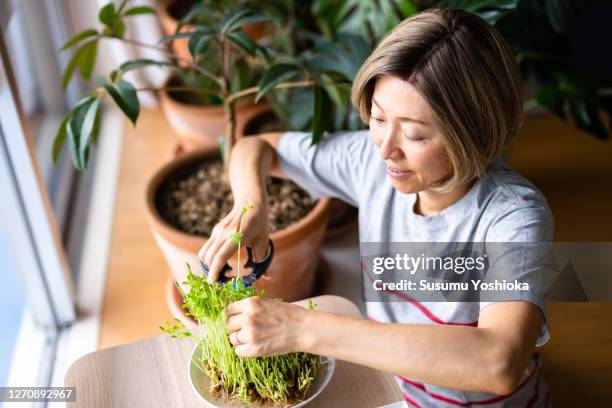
388, 148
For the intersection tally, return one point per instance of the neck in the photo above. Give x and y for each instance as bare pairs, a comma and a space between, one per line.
432, 202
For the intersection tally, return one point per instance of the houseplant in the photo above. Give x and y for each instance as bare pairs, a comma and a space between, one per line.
547, 38
177, 15
80, 126
199, 119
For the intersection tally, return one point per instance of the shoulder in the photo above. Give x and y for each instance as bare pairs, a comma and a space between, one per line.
353, 148
515, 208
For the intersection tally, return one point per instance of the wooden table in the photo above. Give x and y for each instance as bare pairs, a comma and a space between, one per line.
153, 373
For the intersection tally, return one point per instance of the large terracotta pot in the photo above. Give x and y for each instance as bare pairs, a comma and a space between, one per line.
292, 273
169, 23
200, 125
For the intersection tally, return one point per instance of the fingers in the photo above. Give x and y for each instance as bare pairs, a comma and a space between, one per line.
247, 350
221, 256
260, 250
233, 338
219, 247
234, 323
236, 307
216, 232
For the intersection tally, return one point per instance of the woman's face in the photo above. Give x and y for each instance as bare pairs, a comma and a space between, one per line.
400, 125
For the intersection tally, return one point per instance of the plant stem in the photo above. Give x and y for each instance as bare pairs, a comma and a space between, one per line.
189, 62
179, 89
282, 85
229, 107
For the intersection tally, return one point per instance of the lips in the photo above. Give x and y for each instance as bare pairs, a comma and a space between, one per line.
396, 170
398, 173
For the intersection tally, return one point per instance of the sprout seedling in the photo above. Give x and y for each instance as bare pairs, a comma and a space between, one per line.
278, 379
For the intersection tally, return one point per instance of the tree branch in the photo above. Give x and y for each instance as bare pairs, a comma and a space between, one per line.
179, 89
283, 85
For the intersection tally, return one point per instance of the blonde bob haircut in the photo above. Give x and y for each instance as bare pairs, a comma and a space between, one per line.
465, 71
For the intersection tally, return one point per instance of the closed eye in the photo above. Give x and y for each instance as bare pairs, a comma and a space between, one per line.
415, 138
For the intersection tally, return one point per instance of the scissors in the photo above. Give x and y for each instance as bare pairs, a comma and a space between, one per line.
259, 268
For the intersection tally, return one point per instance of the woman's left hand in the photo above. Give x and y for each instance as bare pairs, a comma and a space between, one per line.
265, 327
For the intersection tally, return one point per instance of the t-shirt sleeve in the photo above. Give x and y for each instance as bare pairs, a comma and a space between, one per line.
519, 249
331, 168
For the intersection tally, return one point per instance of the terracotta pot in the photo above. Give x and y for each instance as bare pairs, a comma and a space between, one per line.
200, 125
342, 218
169, 23
292, 273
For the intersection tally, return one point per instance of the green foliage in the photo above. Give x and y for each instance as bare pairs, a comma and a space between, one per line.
142, 63
371, 19
138, 10
489, 10
124, 95
236, 238
321, 120
80, 126
322, 44
540, 35
276, 379
80, 36
84, 58
176, 329
274, 75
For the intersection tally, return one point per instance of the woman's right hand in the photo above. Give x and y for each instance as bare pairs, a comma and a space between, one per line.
220, 247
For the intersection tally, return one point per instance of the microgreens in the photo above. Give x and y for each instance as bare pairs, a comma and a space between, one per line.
278, 379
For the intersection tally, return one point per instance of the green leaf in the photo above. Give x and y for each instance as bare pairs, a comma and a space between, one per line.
107, 14
230, 19
557, 10
83, 57
60, 137
242, 41
80, 36
344, 56
88, 127
177, 36
134, 11
96, 128
124, 95
274, 75
61, 134
586, 117
236, 237
552, 99
122, 6
73, 62
119, 28
141, 63
198, 42
88, 58
321, 119
74, 131
249, 19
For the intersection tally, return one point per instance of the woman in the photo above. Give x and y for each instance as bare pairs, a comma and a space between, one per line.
441, 94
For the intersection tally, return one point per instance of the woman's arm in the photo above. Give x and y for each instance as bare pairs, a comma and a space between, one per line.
253, 158
488, 358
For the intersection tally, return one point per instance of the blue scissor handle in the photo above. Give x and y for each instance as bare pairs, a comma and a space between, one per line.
259, 268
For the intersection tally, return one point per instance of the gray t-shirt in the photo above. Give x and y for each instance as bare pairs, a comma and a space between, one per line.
501, 206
